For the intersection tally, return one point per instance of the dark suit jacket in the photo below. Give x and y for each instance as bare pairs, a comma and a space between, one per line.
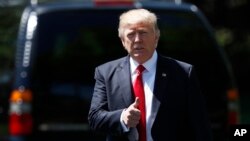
180, 108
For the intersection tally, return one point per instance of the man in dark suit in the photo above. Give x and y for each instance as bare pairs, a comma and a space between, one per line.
159, 101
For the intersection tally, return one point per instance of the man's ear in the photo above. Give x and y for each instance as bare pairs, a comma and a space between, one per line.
123, 42
156, 40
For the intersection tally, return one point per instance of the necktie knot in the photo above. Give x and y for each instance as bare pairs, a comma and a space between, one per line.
140, 69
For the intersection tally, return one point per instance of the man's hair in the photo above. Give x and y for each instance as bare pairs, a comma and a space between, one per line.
142, 15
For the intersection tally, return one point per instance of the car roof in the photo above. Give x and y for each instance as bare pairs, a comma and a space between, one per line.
62, 5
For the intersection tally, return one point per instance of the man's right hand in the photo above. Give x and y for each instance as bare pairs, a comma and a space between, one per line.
131, 115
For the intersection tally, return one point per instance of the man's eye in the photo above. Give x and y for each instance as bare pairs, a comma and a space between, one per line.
131, 34
143, 33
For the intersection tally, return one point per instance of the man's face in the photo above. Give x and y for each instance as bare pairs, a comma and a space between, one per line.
140, 40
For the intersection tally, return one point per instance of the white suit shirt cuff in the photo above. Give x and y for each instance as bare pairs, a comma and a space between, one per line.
124, 127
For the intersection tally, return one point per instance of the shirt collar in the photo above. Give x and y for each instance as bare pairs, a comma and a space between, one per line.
149, 65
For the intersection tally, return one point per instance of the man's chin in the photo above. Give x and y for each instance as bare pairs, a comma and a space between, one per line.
138, 57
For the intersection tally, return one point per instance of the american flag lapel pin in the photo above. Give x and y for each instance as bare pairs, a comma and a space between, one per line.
163, 74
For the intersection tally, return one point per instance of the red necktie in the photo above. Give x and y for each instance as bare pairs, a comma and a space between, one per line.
139, 92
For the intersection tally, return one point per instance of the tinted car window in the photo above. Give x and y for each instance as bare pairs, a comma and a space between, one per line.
68, 49
185, 38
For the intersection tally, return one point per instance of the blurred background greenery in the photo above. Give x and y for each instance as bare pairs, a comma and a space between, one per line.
229, 19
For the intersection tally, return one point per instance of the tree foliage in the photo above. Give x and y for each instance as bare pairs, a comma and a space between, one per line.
10, 17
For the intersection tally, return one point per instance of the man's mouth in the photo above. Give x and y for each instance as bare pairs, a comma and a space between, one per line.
138, 48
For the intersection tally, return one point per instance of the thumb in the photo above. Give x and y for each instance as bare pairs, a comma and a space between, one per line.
136, 103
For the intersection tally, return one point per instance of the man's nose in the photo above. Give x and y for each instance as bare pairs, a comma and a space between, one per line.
137, 37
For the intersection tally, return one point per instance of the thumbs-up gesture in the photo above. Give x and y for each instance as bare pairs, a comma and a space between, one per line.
131, 115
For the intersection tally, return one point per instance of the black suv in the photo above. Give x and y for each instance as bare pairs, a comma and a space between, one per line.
60, 44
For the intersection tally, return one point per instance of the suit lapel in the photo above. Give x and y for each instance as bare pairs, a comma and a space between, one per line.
161, 80
125, 81
160, 87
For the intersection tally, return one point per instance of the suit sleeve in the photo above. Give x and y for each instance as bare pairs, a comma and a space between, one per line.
100, 117
198, 116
